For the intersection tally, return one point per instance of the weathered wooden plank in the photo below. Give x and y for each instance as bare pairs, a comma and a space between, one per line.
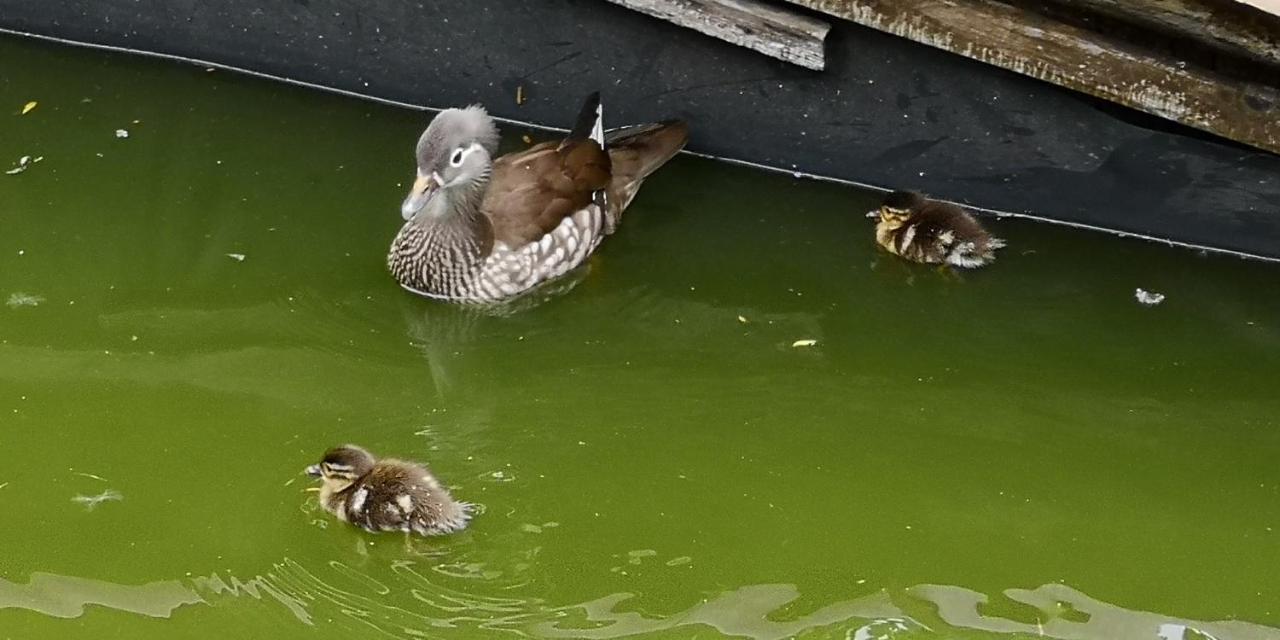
1243, 29
1032, 44
781, 34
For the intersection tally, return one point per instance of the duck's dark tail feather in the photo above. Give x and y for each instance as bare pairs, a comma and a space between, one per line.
590, 122
635, 152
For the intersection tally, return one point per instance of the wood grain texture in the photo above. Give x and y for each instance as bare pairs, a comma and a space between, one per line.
781, 34
1235, 27
1032, 44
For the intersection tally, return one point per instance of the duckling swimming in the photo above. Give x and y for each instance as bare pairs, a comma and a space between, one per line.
923, 230
386, 495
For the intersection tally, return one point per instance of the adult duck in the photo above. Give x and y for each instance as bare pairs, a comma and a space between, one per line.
482, 229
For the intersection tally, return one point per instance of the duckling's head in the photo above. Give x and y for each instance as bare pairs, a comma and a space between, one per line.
342, 466
454, 154
898, 207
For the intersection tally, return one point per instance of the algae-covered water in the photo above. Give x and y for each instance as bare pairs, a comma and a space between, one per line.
197, 310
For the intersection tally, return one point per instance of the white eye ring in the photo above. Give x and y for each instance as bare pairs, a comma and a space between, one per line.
456, 160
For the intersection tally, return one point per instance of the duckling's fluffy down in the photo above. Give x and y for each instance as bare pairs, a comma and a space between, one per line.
400, 496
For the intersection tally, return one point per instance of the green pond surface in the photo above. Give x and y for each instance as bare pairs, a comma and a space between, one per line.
196, 311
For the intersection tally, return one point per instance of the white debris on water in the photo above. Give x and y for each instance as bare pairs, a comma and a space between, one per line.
1149, 298
20, 299
91, 502
122, 133
238, 257
804, 343
23, 164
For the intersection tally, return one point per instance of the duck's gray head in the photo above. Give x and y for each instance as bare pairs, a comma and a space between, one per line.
455, 151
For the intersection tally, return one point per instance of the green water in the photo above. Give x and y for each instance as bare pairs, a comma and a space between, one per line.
1027, 451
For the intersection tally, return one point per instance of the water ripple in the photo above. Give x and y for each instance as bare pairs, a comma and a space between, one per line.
416, 603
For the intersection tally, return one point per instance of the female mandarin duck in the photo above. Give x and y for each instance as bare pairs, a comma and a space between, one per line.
480, 229
923, 230
386, 495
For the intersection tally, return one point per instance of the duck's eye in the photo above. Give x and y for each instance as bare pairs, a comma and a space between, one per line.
456, 159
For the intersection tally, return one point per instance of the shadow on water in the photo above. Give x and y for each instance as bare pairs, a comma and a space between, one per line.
428, 607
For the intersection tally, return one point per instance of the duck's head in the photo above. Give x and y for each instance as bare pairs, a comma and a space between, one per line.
342, 466
897, 208
455, 153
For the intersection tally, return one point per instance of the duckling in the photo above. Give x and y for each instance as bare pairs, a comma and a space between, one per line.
386, 495
923, 230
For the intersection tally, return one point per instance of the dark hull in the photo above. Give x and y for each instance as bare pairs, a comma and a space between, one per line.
886, 112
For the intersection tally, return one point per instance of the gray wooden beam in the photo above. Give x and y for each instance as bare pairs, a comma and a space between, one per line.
1245, 29
1032, 44
778, 33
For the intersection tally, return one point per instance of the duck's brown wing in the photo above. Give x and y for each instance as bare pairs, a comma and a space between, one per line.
532, 191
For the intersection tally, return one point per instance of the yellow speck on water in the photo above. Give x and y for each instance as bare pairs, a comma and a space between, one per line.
742, 319
26, 108
804, 343
527, 139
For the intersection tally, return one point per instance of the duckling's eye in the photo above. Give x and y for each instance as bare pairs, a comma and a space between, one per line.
456, 160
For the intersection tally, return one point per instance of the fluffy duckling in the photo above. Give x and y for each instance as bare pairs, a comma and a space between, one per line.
923, 230
386, 495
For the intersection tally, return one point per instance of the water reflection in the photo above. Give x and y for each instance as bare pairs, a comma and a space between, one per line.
449, 336
410, 600
1088, 619
67, 596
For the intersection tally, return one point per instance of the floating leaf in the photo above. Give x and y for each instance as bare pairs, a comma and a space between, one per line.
26, 108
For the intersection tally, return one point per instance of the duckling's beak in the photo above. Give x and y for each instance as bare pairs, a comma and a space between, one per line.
874, 213
313, 471
423, 188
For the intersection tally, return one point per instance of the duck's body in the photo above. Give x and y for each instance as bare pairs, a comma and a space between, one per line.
386, 495
932, 232
486, 231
